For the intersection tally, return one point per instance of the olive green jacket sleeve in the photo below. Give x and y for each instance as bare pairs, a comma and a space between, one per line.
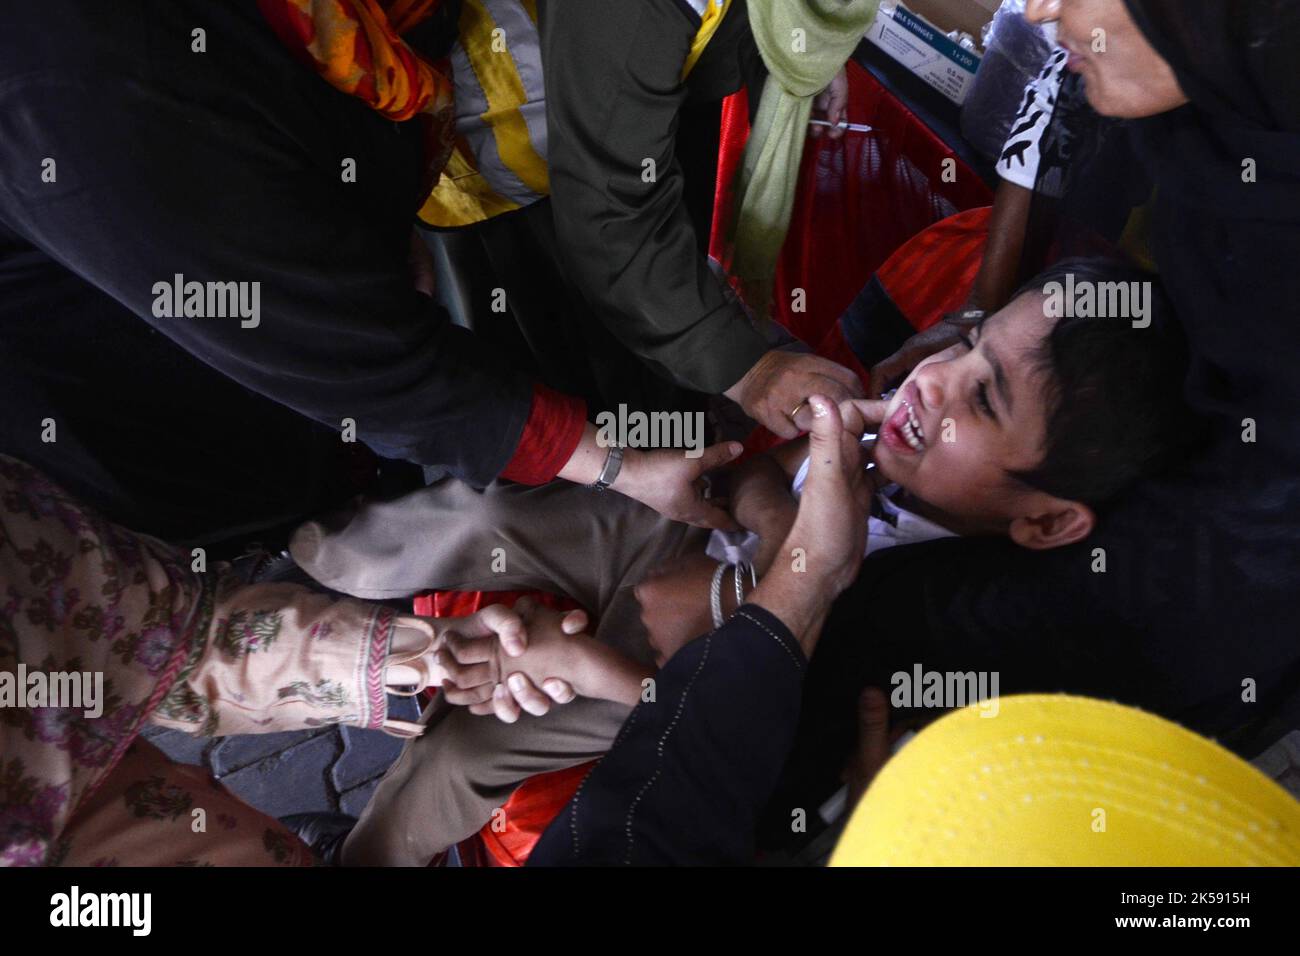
614, 89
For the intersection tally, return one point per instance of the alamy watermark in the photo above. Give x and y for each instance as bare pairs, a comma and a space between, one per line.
1087, 299
208, 300
76, 690
130, 910
651, 430
946, 690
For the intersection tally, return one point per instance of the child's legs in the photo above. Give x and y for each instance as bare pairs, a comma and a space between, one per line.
446, 784
591, 546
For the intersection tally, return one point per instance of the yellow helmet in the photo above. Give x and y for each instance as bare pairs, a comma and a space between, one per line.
1053, 780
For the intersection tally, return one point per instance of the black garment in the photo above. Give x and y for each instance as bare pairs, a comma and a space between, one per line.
1235, 62
615, 99
1088, 183
223, 166
1194, 616
163, 441
553, 330
685, 779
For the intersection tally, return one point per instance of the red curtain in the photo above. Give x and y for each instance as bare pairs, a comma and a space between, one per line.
859, 199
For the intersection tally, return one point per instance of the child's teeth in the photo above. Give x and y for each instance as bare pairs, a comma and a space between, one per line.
911, 430
910, 436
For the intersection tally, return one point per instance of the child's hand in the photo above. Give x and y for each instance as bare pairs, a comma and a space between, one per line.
674, 602
560, 659
475, 666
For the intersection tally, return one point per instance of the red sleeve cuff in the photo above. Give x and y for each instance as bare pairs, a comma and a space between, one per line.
551, 434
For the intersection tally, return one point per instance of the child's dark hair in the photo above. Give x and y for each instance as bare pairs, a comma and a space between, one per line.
1113, 393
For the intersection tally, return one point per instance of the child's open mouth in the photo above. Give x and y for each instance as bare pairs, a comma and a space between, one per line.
903, 432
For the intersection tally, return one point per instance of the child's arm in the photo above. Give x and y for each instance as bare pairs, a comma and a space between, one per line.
589, 667
760, 496
600, 671
675, 601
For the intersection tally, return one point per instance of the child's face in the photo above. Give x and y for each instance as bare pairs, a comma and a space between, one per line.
980, 415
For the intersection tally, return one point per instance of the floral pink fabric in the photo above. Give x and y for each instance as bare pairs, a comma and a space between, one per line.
189, 649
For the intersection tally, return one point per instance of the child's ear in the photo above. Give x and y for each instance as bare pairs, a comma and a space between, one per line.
1054, 523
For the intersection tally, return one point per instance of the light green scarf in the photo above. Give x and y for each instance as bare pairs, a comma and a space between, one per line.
804, 43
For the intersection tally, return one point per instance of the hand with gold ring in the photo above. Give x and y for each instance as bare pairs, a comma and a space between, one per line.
775, 391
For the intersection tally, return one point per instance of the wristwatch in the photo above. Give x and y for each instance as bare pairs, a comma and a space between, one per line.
608, 474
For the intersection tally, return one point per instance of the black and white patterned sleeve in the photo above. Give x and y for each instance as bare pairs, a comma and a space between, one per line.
1018, 162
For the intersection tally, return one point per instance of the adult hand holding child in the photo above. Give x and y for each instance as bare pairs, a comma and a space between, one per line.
819, 558
674, 598
560, 663
823, 551
679, 784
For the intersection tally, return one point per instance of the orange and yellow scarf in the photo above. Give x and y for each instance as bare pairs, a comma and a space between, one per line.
356, 46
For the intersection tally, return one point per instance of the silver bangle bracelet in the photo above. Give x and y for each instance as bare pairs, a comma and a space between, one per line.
740, 588
715, 593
